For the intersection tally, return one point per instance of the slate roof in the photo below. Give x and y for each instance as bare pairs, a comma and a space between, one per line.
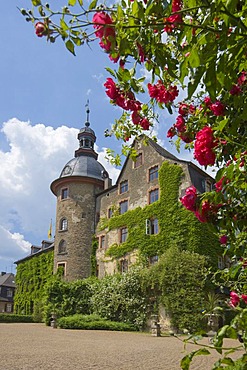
8, 280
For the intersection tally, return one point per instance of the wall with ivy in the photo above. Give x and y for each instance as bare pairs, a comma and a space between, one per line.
177, 226
31, 277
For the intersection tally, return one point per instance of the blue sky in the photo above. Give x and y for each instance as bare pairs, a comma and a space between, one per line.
43, 92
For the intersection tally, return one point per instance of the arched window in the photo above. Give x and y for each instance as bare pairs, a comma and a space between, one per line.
62, 247
64, 224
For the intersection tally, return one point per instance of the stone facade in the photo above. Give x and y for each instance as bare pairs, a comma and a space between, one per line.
75, 225
137, 183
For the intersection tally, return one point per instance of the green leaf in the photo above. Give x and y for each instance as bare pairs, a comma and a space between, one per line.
63, 25
192, 85
71, 2
227, 361
194, 59
222, 124
80, 2
185, 362
93, 4
111, 71
36, 2
70, 46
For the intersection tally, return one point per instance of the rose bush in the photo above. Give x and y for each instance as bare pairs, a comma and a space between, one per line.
198, 47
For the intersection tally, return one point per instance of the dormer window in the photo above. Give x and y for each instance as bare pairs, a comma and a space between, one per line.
138, 161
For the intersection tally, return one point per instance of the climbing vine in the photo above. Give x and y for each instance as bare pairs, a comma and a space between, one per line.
177, 226
31, 278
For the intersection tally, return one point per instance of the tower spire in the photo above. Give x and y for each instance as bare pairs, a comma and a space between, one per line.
87, 123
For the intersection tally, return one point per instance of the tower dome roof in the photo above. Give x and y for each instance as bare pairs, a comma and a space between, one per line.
84, 166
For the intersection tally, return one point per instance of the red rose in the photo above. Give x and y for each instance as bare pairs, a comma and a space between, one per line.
223, 239
217, 108
101, 18
204, 145
234, 299
180, 124
219, 184
189, 199
244, 298
111, 89
40, 29
136, 118
145, 124
235, 90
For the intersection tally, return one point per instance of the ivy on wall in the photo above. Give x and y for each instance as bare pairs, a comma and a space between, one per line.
31, 277
177, 226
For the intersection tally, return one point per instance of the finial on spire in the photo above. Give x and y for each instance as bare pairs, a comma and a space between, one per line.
87, 111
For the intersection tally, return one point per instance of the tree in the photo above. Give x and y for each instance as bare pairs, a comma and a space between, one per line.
194, 46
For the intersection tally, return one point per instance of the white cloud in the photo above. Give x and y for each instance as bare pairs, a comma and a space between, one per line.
35, 157
12, 246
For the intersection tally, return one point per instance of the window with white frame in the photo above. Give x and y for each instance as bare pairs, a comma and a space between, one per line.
61, 268
152, 226
8, 307
63, 224
9, 293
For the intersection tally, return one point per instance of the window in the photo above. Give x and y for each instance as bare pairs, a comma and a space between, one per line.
153, 260
124, 266
123, 234
61, 268
153, 173
138, 161
206, 185
64, 224
123, 207
102, 241
9, 293
124, 186
62, 247
153, 196
8, 307
64, 193
152, 226
110, 212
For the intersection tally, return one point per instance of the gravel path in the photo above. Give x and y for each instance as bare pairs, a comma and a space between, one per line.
38, 347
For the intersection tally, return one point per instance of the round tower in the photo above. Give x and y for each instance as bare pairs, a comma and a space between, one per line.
81, 179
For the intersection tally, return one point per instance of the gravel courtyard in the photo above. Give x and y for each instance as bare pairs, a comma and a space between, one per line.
38, 347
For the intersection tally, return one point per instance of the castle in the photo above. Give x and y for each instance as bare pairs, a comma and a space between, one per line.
137, 218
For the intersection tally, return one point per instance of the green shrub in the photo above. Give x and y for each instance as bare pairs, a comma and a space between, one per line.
67, 299
121, 298
15, 318
180, 280
92, 322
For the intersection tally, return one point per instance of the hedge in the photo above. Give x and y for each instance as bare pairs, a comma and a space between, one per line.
15, 318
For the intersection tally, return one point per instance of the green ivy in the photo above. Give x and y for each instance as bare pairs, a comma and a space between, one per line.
177, 226
31, 278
